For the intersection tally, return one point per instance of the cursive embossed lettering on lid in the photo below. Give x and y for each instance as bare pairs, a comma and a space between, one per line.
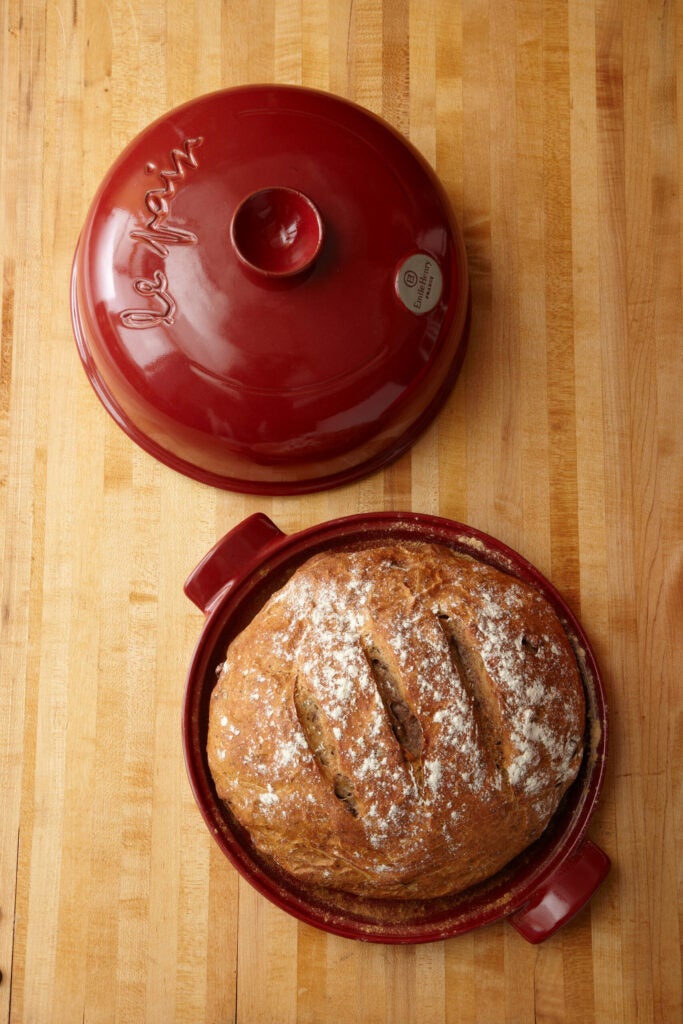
158, 234
235, 297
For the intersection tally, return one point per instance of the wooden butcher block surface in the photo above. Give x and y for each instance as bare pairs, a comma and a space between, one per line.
557, 131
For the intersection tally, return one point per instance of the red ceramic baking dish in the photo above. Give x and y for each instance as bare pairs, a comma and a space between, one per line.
539, 891
270, 291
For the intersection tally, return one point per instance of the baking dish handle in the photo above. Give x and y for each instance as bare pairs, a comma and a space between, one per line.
563, 894
230, 558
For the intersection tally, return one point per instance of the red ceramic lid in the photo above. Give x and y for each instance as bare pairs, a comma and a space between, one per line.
270, 292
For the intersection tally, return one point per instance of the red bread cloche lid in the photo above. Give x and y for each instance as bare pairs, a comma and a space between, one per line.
270, 292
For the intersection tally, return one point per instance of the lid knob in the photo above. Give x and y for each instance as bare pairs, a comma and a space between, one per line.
277, 232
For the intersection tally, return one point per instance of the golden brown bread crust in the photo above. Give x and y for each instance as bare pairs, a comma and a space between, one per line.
398, 721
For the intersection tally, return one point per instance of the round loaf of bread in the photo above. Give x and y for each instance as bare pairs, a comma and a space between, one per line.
398, 721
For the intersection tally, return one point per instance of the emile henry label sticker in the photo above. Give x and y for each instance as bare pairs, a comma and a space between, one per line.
419, 283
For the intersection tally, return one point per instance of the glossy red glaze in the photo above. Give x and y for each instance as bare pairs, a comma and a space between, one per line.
277, 232
563, 894
541, 889
240, 378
